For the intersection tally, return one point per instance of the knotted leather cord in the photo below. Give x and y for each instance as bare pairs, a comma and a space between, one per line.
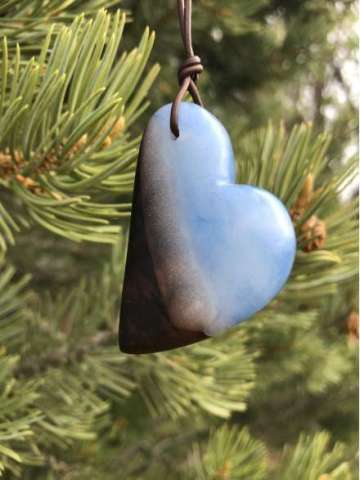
189, 71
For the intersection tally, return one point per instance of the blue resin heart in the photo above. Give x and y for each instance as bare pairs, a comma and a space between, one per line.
220, 251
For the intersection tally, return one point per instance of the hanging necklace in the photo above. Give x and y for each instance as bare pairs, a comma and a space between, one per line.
204, 253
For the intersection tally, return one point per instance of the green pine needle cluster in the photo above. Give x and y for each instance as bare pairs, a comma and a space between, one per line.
65, 114
232, 453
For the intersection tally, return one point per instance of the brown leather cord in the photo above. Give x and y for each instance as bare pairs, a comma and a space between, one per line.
189, 71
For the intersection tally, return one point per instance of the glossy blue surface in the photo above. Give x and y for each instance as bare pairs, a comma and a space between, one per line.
221, 251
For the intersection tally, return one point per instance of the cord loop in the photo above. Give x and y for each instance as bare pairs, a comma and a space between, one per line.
189, 71
192, 67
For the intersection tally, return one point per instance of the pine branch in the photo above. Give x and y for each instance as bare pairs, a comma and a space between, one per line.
17, 415
313, 459
27, 21
12, 303
306, 374
65, 148
285, 343
216, 378
230, 454
294, 167
52, 393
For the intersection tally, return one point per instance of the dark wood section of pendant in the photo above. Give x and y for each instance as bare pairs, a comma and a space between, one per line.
144, 323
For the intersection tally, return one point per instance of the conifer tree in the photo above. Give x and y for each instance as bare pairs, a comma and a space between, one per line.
272, 398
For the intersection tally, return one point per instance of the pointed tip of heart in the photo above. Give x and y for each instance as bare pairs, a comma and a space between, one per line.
144, 323
145, 328
140, 342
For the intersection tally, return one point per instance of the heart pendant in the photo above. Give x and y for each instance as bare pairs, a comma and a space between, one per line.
204, 253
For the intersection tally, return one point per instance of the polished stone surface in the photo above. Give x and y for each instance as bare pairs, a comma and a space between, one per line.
219, 251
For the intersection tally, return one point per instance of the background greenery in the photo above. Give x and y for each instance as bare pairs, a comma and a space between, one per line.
275, 397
